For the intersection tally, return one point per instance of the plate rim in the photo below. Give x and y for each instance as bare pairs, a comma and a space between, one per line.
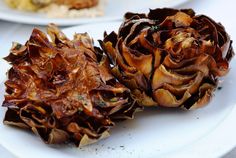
24, 19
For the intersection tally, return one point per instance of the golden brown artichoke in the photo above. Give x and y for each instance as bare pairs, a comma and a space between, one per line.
171, 58
62, 89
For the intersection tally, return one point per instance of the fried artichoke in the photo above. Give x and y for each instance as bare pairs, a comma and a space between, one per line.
169, 58
63, 90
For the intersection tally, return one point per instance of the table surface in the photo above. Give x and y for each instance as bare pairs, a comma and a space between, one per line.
220, 10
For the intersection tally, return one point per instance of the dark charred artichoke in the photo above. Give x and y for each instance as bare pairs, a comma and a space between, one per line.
171, 58
63, 90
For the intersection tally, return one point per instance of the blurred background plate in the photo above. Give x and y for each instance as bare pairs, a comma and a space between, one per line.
114, 10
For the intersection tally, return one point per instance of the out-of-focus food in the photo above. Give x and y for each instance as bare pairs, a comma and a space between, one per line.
63, 90
61, 8
170, 58
22, 5
78, 4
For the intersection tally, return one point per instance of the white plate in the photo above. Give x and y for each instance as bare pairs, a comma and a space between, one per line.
114, 11
208, 132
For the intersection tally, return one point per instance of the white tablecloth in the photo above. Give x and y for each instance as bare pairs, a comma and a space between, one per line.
220, 10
